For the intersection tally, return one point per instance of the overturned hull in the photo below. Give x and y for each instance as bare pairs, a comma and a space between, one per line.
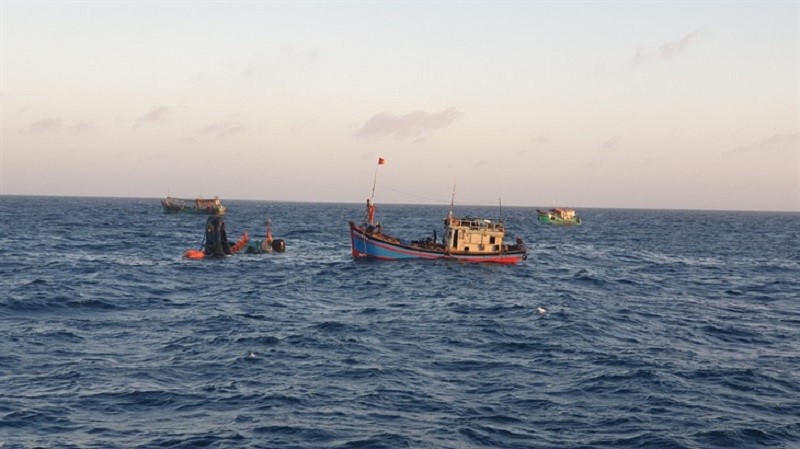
216, 243
216, 239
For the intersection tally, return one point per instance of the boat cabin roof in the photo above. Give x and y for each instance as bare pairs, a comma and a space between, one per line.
475, 224
564, 212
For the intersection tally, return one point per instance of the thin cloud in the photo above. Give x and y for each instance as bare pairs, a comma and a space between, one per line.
196, 77
253, 68
598, 70
224, 128
156, 115
669, 50
414, 123
81, 127
592, 165
774, 143
44, 126
609, 144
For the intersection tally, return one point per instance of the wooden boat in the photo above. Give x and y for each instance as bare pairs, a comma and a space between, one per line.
205, 206
558, 216
465, 239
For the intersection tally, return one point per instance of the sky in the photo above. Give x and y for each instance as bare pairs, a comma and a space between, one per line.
658, 105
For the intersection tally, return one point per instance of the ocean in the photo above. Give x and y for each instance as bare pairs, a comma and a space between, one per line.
638, 329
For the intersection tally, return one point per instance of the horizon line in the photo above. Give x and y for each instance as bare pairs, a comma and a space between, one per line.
413, 204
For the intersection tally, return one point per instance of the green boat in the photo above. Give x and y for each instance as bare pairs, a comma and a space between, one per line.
559, 216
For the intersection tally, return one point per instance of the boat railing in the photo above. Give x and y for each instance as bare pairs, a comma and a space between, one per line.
476, 224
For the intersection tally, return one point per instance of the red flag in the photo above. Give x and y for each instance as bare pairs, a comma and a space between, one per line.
381, 161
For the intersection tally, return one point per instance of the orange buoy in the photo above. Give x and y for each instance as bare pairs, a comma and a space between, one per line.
194, 254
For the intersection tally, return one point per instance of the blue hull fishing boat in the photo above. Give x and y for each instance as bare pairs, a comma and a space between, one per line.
465, 239
370, 242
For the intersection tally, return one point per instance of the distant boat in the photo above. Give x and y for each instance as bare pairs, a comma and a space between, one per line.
206, 206
559, 216
465, 239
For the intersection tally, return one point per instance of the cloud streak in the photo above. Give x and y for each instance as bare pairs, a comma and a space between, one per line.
44, 126
224, 128
156, 115
411, 124
669, 50
609, 144
773, 143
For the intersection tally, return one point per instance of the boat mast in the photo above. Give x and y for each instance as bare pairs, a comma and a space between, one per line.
369, 215
452, 201
500, 200
381, 161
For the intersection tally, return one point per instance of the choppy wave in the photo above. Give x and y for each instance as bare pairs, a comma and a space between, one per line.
637, 329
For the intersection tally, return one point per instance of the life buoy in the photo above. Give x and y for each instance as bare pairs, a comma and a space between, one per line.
194, 254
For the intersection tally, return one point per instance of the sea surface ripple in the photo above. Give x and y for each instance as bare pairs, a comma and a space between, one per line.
638, 329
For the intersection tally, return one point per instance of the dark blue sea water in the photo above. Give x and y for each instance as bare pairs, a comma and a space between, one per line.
661, 329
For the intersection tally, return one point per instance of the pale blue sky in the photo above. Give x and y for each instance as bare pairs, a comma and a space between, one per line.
589, 104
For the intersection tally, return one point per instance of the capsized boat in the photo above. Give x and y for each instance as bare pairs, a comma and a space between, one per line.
558, 215
216, 243
206, 206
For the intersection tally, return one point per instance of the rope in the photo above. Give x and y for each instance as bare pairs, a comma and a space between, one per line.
439, 200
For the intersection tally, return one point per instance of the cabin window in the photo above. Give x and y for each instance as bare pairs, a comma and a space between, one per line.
497, 247
491, 240
455, 239
466, 248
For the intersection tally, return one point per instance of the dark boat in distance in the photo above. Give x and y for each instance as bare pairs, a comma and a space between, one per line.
204, 206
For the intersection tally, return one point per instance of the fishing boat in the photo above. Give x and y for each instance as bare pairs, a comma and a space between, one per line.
465, 239
205, 206
558, 216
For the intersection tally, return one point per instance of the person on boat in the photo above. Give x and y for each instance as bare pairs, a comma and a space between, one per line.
372, 227
370, 213
521, 245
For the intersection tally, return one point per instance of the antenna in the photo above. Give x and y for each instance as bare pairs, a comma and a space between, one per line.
452, 200
500, 200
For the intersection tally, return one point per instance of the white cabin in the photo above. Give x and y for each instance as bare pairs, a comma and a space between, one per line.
473, 235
